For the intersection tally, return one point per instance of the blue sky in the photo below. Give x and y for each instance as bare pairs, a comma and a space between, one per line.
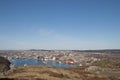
60, 24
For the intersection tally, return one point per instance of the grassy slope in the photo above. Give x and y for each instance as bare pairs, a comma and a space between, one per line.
51, 73
35, 72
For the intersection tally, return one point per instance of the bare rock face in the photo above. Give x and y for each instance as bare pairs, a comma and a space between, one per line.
4, 65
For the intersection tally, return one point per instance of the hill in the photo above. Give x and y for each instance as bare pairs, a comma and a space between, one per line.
52, 73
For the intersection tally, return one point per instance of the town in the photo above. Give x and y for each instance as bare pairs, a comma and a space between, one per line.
72, 57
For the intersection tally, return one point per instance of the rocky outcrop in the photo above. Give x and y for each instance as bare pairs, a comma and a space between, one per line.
4, 64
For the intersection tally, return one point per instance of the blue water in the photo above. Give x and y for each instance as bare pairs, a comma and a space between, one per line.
21, 62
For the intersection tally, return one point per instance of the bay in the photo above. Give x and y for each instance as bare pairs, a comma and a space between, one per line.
25, 61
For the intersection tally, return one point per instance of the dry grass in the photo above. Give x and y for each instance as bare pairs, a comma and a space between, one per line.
40, 72
51, 73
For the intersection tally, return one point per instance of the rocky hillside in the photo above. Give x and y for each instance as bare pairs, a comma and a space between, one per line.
4, 65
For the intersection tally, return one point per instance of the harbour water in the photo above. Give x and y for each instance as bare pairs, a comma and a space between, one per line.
24, 61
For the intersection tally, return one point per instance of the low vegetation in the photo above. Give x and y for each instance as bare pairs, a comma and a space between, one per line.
52, 73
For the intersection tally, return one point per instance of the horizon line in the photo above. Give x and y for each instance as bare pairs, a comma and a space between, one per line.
58, 49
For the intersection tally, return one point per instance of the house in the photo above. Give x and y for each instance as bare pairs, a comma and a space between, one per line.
70, 61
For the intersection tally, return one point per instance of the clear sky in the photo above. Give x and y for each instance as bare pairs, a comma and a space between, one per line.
60, 24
